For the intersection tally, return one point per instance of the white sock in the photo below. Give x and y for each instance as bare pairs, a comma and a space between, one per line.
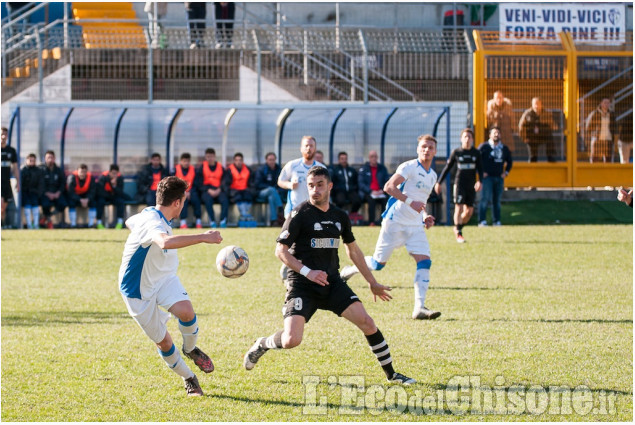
422, 280
36, 216
92, 214
28, 217
198, 221
120, 221
189, 330
99, 222
72, 214
175, 362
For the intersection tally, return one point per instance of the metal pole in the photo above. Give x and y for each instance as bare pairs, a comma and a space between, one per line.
116, 138
168, 139
337, 25
384, 129
305, 59
352, 78
66, 25
278, 32
150, 73
332, 137
63, 137
40, 70
364, 65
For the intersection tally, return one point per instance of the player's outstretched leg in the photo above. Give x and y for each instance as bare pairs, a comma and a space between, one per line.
173, 359
349, 271
421, 283
189, 331
260, 347
380, 349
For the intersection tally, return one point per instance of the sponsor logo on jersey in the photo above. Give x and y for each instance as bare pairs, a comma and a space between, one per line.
317, 226
325, 243
294, 213
284, 234
339, 226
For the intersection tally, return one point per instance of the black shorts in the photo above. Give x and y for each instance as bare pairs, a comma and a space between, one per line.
7, 192
464, 194
303, 301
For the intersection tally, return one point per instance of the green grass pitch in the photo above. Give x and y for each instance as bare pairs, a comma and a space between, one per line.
524, 308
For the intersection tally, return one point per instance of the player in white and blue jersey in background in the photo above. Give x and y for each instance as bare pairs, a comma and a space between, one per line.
404, 220
148, 280
293, 175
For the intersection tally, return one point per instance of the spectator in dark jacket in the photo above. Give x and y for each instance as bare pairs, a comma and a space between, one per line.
148, 179
81, 192
110, 192
266, 188
372, 178
214, 186
32, 182
345, 185
54, 189
535, 128
497, 163
601, 126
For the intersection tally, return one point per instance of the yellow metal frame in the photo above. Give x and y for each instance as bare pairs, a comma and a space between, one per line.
570, 173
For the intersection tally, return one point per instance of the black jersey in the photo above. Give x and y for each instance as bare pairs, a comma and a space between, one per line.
468, 163
9, 156
313, 237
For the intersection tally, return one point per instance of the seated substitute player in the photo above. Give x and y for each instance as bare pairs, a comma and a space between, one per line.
81, 193
308, 245
404, 221
184, 170
32, 182
110, 192
468, 162
147, 280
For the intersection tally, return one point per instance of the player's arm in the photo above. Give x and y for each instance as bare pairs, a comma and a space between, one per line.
448, 166
356, 255
16, 174
317, 276
165, 241
392, 188
284, 179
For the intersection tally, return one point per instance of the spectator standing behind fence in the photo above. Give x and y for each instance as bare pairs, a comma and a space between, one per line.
535, 129
346, 186
9, 166
497, 163
54, 190
625, 141
468, 164
371, 180
196, 12
185, 171
601, 127
110, 192
626, 197
32, 182
499, 114
81, 193
266, 188
224, 12
148, 179
239, 193
214, 187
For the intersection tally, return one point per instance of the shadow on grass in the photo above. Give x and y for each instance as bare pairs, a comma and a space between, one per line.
468, 288
45, 318
266, 402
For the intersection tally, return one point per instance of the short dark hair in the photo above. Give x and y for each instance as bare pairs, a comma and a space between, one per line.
467, 130
342, 153
113, 167
317, 171
156, 155
210, 150
49, 152
169, 190
270, 153
426, 137
31, 155
238, 154
492, 128
83, 167
4, 129
186, 155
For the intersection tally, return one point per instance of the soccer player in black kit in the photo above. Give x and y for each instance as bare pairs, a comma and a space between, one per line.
468, 162
308, 245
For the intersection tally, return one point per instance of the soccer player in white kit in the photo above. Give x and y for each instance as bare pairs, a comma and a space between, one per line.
148, 280
293, 175
404, 221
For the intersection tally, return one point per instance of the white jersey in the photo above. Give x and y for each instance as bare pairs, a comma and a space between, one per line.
292, 171
145, 266
417, 186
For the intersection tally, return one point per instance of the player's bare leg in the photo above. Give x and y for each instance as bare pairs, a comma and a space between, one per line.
188, 325
421, 283
288, 338
356, 313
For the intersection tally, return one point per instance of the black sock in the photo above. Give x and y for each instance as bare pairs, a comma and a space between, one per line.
273, 341
380, 349
459, 227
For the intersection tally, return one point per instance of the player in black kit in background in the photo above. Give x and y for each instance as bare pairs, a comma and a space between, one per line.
468, 162
308, 245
